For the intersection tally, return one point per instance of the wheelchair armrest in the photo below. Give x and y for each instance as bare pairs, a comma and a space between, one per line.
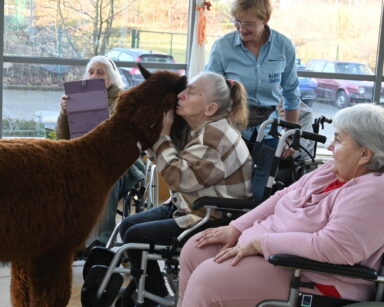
224, 203
296, 262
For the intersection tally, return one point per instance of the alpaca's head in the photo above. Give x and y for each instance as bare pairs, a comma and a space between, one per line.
147, 103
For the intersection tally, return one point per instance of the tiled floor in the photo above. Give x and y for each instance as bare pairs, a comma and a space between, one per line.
77, 282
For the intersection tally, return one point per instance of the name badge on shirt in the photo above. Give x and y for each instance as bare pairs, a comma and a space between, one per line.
274, 78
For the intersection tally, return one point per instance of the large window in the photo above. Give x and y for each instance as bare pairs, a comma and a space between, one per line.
40, 33
48, 42
83, 28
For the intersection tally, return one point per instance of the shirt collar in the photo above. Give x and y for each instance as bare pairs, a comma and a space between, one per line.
270, 33
237, 40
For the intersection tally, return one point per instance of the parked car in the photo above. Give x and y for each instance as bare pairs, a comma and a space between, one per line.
307, 85
342, 93
131, 75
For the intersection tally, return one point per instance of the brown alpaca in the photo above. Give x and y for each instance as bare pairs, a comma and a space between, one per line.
52, 192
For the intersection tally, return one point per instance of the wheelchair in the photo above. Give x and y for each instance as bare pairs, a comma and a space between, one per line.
301, 299
145, 194
103, 271
277, 173
293, 168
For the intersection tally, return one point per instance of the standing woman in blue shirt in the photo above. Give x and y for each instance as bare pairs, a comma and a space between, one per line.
260, 58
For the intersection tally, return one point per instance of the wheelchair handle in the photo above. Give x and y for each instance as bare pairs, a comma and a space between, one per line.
275, 122
286, 124
326, 120
314, 137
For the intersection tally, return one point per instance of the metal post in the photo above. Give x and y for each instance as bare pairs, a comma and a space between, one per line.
171, 47
138, 39
191, 27
133, 38
1, 64
379, 60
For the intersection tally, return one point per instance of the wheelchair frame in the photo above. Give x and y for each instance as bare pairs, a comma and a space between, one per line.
230, 207
299, 264
149, 252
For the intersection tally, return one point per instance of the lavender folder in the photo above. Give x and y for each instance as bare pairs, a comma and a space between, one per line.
87, 105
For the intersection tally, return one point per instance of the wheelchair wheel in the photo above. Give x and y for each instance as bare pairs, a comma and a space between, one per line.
124, 303
173, 281
92, 283
366, 304
98, 256
128, 297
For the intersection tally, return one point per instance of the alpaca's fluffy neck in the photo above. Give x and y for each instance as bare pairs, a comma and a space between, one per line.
112, 146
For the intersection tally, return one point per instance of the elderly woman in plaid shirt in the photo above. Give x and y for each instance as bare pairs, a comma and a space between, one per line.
214, 162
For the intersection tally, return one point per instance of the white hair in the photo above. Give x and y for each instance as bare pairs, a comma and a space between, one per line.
365, 124
217, 89
112, 70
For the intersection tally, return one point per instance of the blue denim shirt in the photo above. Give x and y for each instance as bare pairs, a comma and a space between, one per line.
267, 77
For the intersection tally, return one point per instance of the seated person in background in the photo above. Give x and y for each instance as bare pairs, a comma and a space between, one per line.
103, 67
97, 67
329, 215
214, 162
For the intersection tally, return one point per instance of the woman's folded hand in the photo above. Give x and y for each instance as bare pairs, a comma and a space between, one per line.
226, 235
238, 252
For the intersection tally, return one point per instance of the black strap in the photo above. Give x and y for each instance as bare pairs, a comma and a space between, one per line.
136, 272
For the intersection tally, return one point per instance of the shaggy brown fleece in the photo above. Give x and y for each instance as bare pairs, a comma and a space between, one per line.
52, 192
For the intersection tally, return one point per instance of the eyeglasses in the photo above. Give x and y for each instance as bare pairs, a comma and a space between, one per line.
244, 25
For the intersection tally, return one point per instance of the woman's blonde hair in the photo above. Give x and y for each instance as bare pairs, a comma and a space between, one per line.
261, 8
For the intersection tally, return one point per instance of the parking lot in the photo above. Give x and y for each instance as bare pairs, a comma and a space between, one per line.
29, 104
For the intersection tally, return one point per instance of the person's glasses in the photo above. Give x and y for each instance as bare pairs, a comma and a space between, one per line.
244, 25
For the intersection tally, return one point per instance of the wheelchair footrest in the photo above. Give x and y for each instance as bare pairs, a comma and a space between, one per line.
92, 283
313, 300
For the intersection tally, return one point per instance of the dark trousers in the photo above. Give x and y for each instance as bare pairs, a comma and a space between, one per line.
153, 226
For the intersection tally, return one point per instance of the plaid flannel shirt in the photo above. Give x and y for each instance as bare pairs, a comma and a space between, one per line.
214, 162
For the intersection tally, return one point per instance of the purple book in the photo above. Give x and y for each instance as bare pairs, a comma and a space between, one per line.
87, 105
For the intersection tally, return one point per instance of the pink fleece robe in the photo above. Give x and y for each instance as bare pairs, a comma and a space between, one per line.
342, 226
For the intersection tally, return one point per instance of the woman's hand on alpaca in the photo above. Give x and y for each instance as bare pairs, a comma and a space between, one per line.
167, 123
63, 103
226, 235
238, 252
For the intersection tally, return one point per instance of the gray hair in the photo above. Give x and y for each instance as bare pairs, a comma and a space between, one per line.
217, 90
365, 124
112, 70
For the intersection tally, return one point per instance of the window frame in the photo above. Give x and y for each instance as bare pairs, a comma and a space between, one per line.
377, 78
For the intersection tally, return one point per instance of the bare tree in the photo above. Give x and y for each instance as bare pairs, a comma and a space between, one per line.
100, 18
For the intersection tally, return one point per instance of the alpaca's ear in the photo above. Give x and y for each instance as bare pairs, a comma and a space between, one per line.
180, 85
145, 72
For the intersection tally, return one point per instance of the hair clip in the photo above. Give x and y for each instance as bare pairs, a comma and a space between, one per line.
113, 64
230, 83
